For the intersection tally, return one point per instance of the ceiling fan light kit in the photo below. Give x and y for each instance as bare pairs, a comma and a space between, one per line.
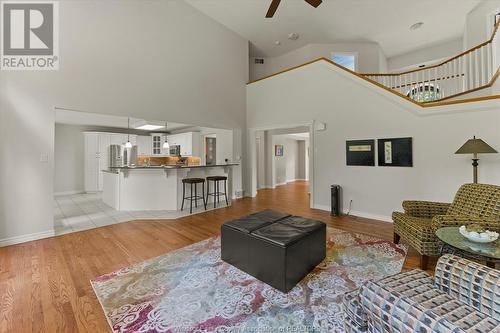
275, 3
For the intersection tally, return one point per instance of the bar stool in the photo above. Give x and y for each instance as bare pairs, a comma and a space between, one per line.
195, 197
217, 192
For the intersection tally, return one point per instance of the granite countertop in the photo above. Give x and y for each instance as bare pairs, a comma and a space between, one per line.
114, 169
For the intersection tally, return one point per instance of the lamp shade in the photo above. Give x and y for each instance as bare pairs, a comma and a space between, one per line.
475, 146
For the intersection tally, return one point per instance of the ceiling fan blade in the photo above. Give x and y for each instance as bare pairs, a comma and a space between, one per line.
314, 3
272, 8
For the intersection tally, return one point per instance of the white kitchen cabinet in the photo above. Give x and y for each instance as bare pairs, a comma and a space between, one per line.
143, 145
97, 156
91, 162
103, 155
157, 140
189, 142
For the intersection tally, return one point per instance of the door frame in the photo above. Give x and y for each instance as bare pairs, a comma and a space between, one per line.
252, 175
203, 156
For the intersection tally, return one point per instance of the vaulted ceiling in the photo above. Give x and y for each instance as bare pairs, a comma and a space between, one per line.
386, 22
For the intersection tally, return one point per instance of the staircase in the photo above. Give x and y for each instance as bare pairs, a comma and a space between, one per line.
470, 71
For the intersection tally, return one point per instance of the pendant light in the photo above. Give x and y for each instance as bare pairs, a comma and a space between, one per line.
165, 144
128, 144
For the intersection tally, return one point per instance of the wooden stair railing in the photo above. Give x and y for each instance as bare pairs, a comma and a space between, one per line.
472, 70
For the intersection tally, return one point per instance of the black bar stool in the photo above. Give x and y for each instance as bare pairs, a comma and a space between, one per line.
216, 193
195, 197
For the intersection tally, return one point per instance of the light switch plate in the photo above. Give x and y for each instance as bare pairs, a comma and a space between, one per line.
44, 157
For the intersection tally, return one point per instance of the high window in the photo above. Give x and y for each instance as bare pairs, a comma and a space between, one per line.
424, 93
347, 60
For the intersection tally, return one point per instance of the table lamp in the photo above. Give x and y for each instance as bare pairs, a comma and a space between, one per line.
475, 146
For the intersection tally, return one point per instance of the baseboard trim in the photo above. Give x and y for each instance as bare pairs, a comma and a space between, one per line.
26, 238
56, 194
358, 213
371, 216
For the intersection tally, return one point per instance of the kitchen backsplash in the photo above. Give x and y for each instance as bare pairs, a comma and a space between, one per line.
167, 160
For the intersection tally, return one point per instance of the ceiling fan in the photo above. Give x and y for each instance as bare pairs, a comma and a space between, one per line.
275, 3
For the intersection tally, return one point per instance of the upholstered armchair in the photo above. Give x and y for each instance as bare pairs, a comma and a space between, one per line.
463, 296
473, 203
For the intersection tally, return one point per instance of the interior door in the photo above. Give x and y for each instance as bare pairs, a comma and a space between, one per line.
210, 150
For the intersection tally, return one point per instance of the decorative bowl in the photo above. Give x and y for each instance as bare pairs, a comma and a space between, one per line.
479, 237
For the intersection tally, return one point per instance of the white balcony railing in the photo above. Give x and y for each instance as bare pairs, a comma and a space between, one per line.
469, 71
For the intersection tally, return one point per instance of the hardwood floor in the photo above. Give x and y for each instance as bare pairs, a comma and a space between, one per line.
44, 285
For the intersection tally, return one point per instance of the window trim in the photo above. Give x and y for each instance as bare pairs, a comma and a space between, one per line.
355, 54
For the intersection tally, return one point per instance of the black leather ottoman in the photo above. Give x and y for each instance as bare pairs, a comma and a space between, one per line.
279, 250
235, 240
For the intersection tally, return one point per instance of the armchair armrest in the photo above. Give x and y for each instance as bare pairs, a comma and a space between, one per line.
459, 220
391, 311
471, 283
426, 209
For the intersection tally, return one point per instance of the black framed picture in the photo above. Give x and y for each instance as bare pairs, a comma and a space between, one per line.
360, 152
278, 150
396, 152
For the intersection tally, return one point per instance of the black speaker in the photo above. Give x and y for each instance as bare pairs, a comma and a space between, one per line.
336, 194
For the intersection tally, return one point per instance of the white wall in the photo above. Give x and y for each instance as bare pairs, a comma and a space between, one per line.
69, 159
478, 26
376, 191
286, 166
428, 55
271, 174
223, 144
148, 59
371, 59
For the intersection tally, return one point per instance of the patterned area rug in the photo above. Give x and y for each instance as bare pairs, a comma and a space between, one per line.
192, 290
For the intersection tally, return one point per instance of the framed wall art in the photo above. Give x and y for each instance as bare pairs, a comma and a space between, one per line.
396, 152
360, 152
278, 150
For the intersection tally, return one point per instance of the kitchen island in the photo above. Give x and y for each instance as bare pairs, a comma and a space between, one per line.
156, 187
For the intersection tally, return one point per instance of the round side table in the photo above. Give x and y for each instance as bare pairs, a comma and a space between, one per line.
454, 243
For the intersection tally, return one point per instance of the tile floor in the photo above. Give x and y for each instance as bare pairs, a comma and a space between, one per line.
87, 211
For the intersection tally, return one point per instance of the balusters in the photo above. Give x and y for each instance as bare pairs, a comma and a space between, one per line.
483, 65
477, 81
489, 64
470, 77
469, 71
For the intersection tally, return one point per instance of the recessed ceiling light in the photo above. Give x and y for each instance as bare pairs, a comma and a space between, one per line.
293, 36
416, 26
149, 127
277, 42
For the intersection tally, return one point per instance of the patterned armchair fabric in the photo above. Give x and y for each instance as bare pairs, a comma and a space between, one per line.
470, 283
473, 203
463, 297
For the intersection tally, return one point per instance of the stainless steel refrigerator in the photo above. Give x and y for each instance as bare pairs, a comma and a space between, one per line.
119, 156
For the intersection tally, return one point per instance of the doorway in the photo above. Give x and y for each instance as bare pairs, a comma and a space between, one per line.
290, 158
281, 156
210, 149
